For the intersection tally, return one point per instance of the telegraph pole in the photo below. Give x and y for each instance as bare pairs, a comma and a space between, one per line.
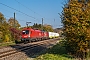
54, 23
42, 23
14, 27
14, 19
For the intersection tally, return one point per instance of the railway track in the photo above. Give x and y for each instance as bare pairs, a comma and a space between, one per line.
25, 47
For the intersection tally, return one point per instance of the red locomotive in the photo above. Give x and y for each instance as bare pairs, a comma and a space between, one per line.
29, 34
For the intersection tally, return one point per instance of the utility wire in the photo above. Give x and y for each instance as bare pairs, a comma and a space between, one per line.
16, 19
5, 10
18, 11
27, 8
9, 12
11, 17
31, 10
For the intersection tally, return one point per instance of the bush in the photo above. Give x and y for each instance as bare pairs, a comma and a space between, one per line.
57, 52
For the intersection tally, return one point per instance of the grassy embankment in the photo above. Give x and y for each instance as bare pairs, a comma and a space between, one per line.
7, 44
57, 52
3, 43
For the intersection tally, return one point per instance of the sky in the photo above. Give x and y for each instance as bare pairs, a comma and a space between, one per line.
33, 11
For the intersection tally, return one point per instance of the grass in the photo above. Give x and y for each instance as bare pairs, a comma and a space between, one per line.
48, 56
9, 43
57, 52
6, 44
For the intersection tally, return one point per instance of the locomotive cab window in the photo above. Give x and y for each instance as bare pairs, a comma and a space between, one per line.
25, 32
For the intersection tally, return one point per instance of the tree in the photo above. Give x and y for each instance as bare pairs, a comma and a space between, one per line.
4, 31
76, 21
11, 23
48, 28
38, 26
7, 32
1, 21
14, 29
45, 27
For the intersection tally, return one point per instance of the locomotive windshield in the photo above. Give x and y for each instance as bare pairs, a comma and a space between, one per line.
25, 32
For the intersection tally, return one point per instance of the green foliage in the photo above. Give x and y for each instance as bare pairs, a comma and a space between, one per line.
52, 57
2, 19
45, 27
58, 49
57, 52
5, 33
7, 44
48, 28
76, 20
37, 26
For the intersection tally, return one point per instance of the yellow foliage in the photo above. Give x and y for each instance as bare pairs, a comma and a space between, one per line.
76, 20
6, 38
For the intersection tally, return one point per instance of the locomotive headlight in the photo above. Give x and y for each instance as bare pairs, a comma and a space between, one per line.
28, 35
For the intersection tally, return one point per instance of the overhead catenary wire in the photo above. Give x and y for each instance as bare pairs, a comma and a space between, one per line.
18, 10
12, 17
31, 10
9, 12
28, 8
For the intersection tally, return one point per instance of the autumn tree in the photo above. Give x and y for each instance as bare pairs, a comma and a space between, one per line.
44, 27
37, 26
2, 19
4, 31
13, 23
14, 29
76, 21
48, 28
7, 30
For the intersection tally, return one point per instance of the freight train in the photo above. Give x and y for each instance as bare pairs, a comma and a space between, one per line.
29, 34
